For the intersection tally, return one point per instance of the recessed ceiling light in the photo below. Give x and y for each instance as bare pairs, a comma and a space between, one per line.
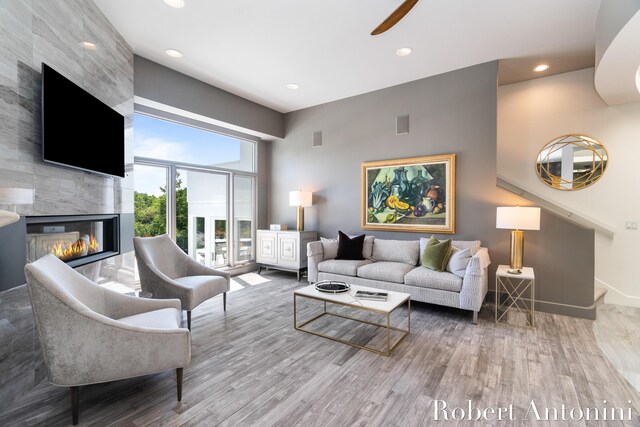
540, 68
404, 51
293, 86
88, 45
173, 53
178, 4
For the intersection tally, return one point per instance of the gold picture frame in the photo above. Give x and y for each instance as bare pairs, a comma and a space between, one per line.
415, 194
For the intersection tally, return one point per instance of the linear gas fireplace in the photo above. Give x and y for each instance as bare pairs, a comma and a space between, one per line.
75, 239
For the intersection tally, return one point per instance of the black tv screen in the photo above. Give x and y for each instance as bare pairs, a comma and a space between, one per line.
78, 130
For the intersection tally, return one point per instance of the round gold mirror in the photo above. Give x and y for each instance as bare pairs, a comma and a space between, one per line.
572, 162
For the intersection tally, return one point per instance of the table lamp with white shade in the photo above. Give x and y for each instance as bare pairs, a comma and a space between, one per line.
517, 219
300, 199
13, 196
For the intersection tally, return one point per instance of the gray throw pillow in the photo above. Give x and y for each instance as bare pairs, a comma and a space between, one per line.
367, 249
459, 261
329, 247
473, 245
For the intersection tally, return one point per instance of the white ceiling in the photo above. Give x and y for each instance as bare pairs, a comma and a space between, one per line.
254, 48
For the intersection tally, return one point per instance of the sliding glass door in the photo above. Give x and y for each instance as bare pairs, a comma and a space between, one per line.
202, 212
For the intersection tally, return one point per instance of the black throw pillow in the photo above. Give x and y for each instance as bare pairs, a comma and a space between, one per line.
349, 248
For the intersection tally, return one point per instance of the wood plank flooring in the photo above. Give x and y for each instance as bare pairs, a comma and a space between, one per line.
617, 331
250, 367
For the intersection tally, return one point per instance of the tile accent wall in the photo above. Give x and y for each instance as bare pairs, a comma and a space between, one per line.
32, 32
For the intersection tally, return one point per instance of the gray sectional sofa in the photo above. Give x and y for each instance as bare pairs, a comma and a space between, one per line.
394, 265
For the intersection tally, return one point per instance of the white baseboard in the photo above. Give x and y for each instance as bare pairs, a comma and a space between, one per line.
615, 296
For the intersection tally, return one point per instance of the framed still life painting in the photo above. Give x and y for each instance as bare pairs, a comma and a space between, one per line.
415, 194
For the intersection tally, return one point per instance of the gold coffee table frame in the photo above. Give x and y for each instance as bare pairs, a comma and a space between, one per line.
388, 326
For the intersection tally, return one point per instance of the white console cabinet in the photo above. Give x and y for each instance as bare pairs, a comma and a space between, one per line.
284, 250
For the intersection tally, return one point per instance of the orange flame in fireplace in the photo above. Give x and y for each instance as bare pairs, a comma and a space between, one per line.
81, 247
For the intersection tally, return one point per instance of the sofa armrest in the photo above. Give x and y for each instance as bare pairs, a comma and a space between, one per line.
315, 254
476, 281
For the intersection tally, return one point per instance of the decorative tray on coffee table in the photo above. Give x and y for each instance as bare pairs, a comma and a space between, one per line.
332, 287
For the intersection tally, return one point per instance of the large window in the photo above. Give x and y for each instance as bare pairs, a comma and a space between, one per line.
174, 142
189, 183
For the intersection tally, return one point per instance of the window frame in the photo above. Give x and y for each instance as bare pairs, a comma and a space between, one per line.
173, 166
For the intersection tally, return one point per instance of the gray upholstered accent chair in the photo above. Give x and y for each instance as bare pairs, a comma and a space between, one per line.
167, 272
91, 334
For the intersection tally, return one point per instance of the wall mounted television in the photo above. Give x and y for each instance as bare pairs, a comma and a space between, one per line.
79, 130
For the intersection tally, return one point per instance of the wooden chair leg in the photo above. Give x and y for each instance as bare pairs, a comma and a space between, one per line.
224, 301
179, 381
75, 404
189, 319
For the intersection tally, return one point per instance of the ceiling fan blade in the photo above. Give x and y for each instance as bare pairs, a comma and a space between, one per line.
395, 17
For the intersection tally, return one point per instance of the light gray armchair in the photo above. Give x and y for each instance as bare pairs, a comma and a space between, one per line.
91, 334
167, 272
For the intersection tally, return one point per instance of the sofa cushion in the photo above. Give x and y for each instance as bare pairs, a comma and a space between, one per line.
474, 245
426, 278
404, 251
350, 248
342, 266
458, 261
166, 318
330, 247
387, 271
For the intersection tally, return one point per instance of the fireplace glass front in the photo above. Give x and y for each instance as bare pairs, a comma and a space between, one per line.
75, 239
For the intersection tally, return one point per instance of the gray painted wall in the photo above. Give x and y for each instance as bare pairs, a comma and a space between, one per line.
36, 31
158, 83
449, 113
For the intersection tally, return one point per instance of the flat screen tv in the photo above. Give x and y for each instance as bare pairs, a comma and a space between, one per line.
78, 130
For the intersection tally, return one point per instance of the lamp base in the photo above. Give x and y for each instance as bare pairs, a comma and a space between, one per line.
514, 271
300, 219
517, 250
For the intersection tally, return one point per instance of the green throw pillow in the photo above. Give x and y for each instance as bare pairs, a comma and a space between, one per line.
436, 254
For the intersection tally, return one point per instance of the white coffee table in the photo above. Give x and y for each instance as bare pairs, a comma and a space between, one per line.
346, 299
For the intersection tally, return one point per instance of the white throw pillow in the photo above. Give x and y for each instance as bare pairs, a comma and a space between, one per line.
459, 261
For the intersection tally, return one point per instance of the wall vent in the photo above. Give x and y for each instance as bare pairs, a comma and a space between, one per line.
317, 139
402, 125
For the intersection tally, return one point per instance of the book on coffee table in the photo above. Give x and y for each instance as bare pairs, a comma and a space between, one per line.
374, 296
